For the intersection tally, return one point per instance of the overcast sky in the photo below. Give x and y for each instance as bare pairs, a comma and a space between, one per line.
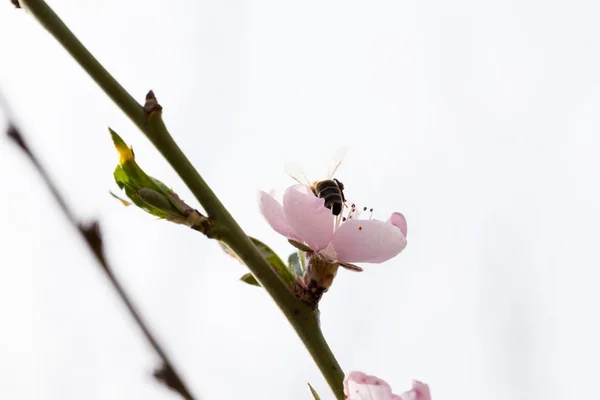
480, 121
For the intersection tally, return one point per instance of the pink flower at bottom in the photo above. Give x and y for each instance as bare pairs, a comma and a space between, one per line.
359, 386
303, 217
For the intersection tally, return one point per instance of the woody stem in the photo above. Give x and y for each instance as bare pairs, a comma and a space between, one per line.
301, 317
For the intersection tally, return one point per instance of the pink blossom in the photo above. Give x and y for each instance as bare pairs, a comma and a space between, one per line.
303, 217
359, 386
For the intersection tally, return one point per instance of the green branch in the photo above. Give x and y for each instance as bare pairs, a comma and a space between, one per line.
301, 317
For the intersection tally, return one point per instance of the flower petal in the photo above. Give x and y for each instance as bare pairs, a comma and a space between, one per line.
397, 219
308, 217
273, 213
368, 241
359, 386
420, 391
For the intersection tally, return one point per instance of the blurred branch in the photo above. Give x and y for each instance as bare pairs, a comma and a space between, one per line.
150, 122
90, 232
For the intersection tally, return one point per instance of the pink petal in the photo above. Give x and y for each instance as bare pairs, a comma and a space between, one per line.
397, 219
368, 241
273, 213
307, 216
420, 391
359, 386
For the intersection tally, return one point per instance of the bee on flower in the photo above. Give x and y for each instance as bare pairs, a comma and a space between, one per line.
330, 189
308, 220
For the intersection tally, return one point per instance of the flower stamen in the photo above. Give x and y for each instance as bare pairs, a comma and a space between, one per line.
352, 211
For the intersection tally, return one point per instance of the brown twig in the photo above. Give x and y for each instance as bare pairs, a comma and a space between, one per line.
90, 231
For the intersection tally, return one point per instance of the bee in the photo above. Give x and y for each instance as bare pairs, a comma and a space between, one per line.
329, 189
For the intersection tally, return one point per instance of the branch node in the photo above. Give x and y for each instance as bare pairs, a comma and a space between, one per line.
14, 134
166, 376
91, 231
151, 106
207, 226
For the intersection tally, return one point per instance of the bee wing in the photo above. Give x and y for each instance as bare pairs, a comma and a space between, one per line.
337, 159
295, 171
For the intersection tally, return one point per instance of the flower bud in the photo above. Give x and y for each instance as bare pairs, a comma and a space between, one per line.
150, 194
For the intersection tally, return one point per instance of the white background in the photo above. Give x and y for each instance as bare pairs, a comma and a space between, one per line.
480, 122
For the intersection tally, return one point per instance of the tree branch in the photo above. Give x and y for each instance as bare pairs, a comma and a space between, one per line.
90, 232
300, 316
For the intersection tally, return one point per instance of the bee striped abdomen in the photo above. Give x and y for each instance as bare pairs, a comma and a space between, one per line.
332, 193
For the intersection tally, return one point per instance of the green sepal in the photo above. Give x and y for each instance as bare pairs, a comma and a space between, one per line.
300, 246
250, 279
313, 392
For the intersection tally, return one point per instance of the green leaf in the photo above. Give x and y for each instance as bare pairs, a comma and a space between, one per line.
119, 143
164, 188
123, 201
276, 262
120, 177
154, 199
272, 258
146, 192
302, 256
295, 264
250, 279
313, 392
228, 250
129, 173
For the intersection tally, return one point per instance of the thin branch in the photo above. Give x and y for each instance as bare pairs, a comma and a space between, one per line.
90, 232
301, 317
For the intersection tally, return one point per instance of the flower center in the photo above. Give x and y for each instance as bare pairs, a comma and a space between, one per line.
351, 212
